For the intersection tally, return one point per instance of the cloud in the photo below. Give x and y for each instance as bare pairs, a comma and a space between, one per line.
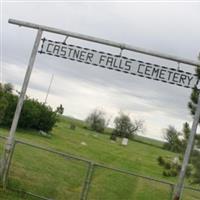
79, 87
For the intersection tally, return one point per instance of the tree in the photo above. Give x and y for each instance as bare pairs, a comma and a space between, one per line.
34, 115
8, 88
125, 128
173, 143
177, 141
186, 134
96, 121
5, 90
192, 105
10, 109
60, 109
3, 106
194, 95
1, 87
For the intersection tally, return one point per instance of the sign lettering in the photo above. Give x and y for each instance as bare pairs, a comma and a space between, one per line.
119, 63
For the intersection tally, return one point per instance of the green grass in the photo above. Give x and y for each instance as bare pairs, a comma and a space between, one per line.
52, 176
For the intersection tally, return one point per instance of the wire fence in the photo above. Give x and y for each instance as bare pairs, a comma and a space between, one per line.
52, 175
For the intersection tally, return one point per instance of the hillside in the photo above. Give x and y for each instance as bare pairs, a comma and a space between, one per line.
56, 177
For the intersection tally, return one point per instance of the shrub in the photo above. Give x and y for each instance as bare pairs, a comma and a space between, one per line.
72, 126
96, 121
166, 173
173, 172
9, 110
34, 115
161, 160
189, 171
167, 165
172, 169
3, 106
113, 136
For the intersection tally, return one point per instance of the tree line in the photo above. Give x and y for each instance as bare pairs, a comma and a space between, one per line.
124, 127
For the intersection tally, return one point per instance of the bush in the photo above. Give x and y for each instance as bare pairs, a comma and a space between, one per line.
3, 106
96, 121
9, 110
161, 160
113, 136
171, 169
72, 126
166, 173
173, 172
189, 171
170, 173
34, 115
167, 165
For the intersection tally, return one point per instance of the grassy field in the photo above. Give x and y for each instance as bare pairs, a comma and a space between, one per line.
56, 177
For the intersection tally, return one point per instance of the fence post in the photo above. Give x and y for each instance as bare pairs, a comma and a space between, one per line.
87, 182
4, 178
9, 146
172, 190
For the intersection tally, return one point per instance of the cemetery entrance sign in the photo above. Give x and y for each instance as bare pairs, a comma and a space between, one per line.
119, 63
108, 61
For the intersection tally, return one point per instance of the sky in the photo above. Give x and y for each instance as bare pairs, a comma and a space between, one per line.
166, 27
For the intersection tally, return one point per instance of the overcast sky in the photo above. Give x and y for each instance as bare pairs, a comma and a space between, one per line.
171, 28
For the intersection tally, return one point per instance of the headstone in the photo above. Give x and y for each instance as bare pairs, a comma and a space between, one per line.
176, 160
125, 141
43, 133
84, 143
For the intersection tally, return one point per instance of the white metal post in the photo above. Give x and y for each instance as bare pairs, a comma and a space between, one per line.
179, 187
8, 151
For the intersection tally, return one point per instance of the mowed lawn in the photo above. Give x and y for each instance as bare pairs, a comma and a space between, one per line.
56, 177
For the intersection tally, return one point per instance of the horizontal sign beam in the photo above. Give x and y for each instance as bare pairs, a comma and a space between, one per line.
105, 42
119, 63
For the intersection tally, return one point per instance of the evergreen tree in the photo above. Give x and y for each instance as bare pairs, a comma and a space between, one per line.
192, 105
173, 142
186, 135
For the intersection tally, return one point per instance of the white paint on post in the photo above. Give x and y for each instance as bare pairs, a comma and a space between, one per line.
179, 187
11, 138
